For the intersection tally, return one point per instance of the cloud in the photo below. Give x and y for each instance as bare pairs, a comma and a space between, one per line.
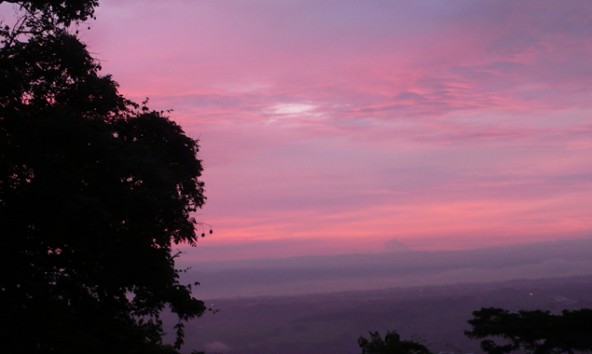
292, 108
430, 123
217, 347
395, 245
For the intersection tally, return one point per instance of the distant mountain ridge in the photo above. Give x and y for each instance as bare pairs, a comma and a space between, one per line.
319, 274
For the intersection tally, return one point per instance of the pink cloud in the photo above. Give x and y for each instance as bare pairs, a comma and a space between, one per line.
444, 125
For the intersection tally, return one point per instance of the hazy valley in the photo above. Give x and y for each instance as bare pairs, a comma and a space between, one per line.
323, 304
331, 323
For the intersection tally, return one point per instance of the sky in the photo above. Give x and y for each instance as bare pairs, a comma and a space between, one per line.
346, 126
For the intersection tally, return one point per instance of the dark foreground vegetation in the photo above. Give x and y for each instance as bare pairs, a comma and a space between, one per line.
94, 189
501, 331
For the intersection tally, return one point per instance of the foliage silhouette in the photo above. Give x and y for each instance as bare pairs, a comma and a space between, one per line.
57, 12
93, 191
535, 332
391, 344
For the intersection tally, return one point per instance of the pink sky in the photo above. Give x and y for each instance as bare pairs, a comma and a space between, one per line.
363, 126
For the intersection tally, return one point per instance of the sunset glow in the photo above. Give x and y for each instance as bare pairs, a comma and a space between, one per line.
362, 126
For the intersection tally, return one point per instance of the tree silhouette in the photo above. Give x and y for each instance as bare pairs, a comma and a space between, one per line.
55, 13
94, 189
391, 344
535, 332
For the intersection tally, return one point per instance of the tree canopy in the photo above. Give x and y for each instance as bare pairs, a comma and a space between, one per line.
57, 12
534, 332
391, 344
94, 192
